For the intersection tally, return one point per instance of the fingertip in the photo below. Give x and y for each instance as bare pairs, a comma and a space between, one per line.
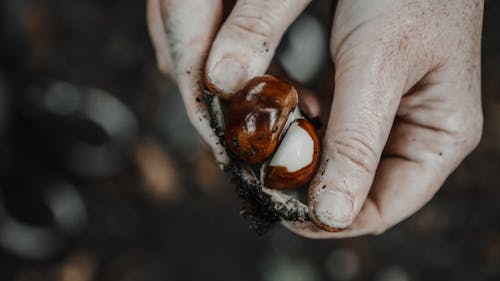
246, 42
368, 221
330, 210
225, 76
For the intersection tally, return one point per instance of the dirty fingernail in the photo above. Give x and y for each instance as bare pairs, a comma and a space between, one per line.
228, 75
333, 208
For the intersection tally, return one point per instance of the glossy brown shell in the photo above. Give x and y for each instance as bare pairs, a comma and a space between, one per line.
278, 177
256, 117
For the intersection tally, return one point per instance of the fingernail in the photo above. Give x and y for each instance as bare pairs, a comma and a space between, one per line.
228, 75
333, 208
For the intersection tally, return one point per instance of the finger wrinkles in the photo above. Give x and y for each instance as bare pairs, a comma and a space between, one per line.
252, 25
414, 143
356, 148
439, 116
263, 19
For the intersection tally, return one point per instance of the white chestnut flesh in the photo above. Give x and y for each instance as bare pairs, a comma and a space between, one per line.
296, 159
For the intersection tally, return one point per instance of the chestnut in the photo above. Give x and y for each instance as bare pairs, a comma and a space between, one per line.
251, 123
256, 116
296, 159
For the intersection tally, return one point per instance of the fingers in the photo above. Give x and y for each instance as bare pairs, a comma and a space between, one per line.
377, 59
400, 189
159, 37
189, 26
247, 40
362, 113
436, 127
371, 77
363, 224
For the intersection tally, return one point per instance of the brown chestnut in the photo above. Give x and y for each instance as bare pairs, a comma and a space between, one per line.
296, 158
256, 117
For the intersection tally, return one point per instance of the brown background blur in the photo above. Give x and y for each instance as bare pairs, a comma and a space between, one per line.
161, 210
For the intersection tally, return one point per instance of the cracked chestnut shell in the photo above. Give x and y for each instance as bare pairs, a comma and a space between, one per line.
296, 159
256, 117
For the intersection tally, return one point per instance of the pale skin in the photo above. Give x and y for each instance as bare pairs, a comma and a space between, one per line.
406, 109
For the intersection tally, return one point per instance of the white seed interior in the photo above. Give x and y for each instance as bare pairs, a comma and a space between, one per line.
294, 115
295, 150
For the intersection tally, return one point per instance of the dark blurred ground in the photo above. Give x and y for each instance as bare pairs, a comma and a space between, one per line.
161, 209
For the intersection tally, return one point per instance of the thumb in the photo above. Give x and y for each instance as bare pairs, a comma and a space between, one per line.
370, 80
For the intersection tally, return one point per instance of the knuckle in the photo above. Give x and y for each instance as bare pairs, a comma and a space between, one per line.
460, 133
357, 149
252, 24
469, 133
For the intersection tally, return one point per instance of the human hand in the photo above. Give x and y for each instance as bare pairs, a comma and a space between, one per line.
406, 109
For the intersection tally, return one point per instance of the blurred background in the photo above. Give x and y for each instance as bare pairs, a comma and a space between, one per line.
103, 178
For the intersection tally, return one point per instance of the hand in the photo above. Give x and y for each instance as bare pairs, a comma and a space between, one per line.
406, 109
183, 33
